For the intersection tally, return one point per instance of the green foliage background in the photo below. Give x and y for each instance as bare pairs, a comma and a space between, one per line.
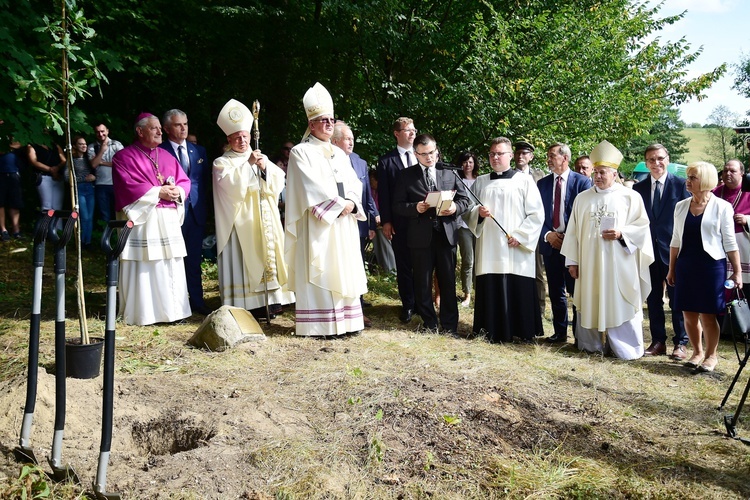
576, 71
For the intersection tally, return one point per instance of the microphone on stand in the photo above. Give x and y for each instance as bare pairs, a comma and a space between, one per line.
447, 166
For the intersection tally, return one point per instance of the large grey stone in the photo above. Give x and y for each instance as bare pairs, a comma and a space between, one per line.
225, 328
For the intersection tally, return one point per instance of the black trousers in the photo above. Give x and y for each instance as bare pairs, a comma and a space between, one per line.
559, 284
439, 257
404, 271
655, 302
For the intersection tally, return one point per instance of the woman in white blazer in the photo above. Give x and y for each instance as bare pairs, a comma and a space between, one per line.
702, 241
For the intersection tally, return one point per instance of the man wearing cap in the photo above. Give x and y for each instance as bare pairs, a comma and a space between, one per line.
151, 188
389, 169
558, 190
608, 250
322, 209
192, 158
660, 192
523, 154
249, 236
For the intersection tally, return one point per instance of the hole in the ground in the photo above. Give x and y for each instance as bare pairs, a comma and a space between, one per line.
171, 433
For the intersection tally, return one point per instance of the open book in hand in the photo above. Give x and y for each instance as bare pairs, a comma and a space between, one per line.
440, 200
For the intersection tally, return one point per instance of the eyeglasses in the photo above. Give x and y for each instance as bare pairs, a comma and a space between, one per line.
494, 154
425, 155
325, 121
655, 159
409, 130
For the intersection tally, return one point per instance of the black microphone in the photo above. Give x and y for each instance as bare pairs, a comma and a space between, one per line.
447, 166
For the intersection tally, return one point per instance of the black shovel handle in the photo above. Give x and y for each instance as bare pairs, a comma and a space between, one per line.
70, 223
40, 236
114, 251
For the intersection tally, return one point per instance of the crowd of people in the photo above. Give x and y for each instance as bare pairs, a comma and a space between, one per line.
295, 231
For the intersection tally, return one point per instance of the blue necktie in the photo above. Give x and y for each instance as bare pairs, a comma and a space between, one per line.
183, 160
656, 203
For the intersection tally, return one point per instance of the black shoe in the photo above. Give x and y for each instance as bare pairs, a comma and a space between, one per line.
204, 310
276, 309
428, 329
406, 315
554, 339
260, 313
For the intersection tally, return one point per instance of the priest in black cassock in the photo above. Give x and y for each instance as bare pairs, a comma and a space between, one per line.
506, 300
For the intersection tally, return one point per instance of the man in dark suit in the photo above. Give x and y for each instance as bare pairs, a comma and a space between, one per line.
660, 192
192, 157
344, 138
558, 190
389, 168
431, 236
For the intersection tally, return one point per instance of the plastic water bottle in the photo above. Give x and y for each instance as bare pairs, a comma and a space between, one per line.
729, 284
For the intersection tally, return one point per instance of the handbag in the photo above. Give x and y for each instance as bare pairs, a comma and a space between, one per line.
737, 318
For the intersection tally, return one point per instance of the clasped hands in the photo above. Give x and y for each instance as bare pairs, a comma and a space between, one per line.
169, 193
555, 239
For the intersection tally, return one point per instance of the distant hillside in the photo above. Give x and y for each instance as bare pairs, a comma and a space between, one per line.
697, 145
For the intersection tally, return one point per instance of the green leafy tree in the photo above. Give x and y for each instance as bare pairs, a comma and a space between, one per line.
666, 131
576, 71
32, 41
742, 76
720, 135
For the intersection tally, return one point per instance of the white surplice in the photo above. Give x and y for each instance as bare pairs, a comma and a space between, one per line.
517, 205
153, 287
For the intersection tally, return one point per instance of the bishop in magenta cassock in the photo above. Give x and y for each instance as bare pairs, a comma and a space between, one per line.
150, 190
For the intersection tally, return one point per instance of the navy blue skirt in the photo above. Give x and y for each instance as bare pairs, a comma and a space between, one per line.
699, 278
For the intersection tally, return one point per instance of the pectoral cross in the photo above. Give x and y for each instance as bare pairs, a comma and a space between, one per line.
597, 215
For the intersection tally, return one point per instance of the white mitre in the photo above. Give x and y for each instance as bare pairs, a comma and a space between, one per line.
606, 155
235, 116
317, 102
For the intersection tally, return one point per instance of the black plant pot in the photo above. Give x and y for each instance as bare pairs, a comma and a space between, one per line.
83, 360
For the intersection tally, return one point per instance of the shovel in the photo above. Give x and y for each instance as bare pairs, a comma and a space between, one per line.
61, 472
113, 265
23, 452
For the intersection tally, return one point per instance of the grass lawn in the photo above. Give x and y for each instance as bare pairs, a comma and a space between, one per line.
699, 140
390, 413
